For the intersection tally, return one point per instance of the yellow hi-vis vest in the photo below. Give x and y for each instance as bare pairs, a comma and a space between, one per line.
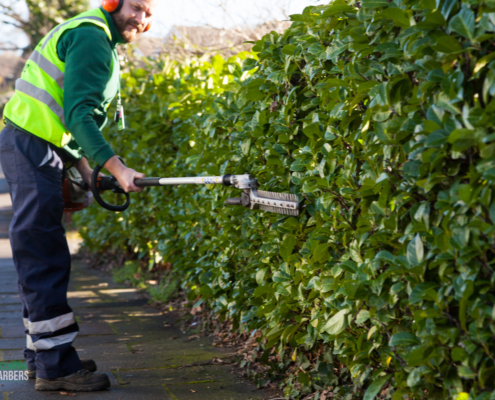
38, 102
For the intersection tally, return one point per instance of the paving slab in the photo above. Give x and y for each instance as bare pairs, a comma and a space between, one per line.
10, 308
217, 390
12, 331
22, 390
153, 392
9, 275
87, 329
8, 299
6, 344
179, 376
9, 288
10, 355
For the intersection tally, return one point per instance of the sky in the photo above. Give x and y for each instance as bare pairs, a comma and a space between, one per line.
217, 13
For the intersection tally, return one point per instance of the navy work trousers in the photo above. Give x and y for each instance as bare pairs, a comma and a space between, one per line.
41, 254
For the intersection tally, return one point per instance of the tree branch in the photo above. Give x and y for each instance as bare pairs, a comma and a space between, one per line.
10, 12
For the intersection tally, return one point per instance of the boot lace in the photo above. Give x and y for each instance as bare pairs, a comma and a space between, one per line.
83, 372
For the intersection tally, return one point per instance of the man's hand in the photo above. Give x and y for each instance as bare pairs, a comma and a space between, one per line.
124, 175
85, 170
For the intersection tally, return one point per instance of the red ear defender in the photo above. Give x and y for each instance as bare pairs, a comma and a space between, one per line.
147, 27
112, 6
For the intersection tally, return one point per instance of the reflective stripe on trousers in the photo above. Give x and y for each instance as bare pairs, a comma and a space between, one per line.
47, 344
50, 325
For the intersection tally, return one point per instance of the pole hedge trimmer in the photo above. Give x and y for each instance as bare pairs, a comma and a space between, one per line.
251, 197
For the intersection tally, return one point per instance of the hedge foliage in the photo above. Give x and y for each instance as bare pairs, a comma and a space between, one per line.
380, 116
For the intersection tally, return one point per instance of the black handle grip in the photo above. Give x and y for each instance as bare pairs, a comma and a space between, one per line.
107, 183
244, 200
143, 182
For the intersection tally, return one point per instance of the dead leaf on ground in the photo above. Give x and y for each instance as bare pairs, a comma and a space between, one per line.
67, 394
193, 391
196, 310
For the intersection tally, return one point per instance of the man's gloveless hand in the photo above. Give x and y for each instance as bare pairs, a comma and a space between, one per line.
85, 170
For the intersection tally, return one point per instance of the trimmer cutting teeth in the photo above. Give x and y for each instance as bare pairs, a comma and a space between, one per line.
281, 203
291, 199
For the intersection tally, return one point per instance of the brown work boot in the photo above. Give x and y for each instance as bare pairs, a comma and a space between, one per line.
82, 381
90, 365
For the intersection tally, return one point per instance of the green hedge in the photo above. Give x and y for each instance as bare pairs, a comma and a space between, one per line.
380, 116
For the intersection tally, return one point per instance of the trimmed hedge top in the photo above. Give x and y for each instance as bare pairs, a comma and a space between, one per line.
380, 116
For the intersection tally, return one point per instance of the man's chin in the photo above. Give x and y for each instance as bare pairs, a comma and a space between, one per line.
130, 37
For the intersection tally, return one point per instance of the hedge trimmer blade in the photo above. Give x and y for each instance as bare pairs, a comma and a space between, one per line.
280, 203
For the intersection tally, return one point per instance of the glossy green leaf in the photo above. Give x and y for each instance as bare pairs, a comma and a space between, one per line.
374, 3
415, 251
447, 44
337, 323
403, 339
335, 9
375, 387
397, 15
421, 292
287, 246
463, 23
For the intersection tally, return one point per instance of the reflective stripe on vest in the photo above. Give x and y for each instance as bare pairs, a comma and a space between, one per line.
50, 68
57, 28
37, 104
41, 95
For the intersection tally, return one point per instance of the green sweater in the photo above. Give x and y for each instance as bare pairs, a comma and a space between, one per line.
89, 87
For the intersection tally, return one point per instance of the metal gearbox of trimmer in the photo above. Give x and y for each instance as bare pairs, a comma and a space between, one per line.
251, 197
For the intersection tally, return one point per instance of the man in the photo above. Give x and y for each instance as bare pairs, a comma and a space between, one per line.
56, 116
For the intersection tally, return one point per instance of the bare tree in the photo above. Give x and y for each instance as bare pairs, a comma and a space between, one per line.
42, 16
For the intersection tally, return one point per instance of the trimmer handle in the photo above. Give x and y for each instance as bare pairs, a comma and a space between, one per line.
244, 200
234, 201
101, 183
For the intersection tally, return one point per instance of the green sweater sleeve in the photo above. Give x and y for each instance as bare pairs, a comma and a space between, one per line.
87, 53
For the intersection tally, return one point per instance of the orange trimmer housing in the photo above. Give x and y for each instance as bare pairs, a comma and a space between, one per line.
70, 206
